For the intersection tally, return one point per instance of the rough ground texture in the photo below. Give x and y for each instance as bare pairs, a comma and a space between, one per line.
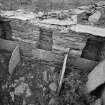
35, 83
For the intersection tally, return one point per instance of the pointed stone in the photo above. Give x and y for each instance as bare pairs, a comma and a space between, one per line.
14, 60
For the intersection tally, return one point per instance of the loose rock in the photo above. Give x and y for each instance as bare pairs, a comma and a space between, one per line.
53, 87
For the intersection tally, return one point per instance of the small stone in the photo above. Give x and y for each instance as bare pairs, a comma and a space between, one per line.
98, 102
22, 78
52, 69
45, 76
53, 101
53, 86
44, 89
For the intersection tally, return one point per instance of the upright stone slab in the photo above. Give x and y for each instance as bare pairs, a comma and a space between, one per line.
45, 39
5, 29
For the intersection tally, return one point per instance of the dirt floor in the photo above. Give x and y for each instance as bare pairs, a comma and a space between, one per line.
35, 82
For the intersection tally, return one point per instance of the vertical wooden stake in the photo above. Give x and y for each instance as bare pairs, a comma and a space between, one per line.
62, 72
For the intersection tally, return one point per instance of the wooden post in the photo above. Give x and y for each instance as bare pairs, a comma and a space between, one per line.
62, 72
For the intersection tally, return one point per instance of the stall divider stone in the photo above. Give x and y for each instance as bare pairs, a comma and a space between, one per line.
45, 39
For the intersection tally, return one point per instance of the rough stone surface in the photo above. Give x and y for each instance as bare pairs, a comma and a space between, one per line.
53, 87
